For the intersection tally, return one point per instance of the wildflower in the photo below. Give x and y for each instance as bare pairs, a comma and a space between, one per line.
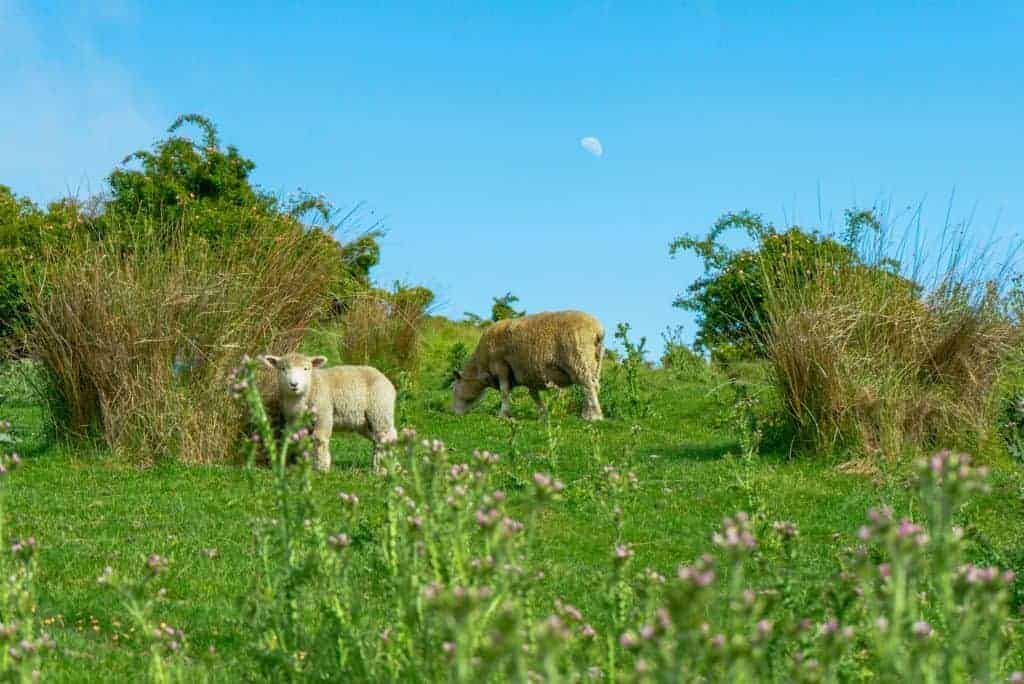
785, 529
211, 553
339, 541
1016, 677
587, 632
622, 553
487, 519
764, 627
922, 629
156, 564
628, 640
348, 499
880, 516
735, 535
510, 526
571, 611
457, 471
654, 577
448, 647
15, 460
23, 546
486, 457
435, 446
408, 434
546, 485
105, 576
882, 624
885, 571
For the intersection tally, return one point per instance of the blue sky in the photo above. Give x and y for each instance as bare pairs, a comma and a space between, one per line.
458, 123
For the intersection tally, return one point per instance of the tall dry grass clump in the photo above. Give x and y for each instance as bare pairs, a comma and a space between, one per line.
868, 357
380, 328
138, 336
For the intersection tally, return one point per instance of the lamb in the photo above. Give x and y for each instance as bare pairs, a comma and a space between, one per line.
354, 398
554, 348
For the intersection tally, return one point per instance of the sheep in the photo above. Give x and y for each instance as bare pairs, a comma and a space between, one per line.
553, 348
355, 398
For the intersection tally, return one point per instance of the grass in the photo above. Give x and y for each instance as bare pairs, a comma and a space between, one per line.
90, 508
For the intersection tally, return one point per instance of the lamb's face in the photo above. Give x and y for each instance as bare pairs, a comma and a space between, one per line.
294, 372
466, 392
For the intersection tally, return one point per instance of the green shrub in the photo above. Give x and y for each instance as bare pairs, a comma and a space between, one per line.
624, 385
730, 297
680, 360
22, 230
205, 189
200, 188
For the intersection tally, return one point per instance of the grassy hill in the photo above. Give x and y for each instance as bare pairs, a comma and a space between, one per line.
88, 508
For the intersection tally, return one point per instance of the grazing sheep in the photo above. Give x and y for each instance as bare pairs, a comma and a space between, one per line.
355, 398
559, 348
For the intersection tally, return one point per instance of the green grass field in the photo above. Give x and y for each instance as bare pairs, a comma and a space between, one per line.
89, 509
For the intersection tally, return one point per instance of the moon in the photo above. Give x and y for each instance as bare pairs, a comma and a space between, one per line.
592, 145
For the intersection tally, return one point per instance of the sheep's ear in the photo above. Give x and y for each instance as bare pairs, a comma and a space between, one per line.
270, 361
319, 361
457, 374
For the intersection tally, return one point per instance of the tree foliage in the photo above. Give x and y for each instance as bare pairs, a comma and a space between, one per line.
502, 307
181, 188
729, 298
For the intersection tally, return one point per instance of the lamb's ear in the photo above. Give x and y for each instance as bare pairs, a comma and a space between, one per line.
319, 361
270, 361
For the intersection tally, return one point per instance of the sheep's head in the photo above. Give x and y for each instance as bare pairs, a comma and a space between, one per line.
466, 392
294, 371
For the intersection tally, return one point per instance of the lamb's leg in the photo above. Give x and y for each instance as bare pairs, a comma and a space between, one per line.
505, 385
322, 436
541, 408
382, 439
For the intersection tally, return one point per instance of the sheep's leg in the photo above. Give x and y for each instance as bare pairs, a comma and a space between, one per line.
541, 408
322, 436
592, 405
505, 385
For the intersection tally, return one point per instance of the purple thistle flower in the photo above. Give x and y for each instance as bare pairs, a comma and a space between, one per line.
628, 640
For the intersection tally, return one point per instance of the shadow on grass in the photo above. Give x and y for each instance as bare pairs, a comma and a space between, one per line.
694, 451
